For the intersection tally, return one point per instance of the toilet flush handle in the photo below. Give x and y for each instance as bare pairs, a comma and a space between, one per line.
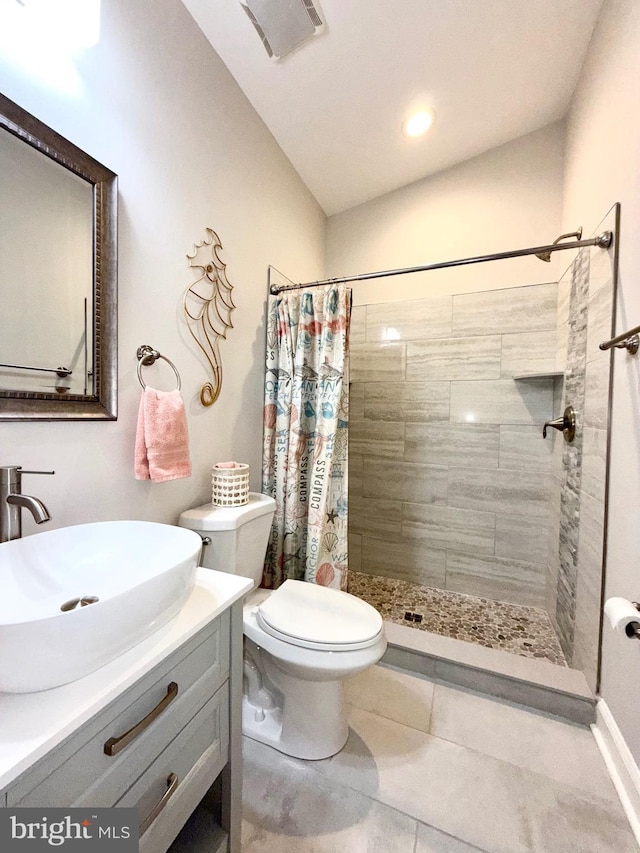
206, 540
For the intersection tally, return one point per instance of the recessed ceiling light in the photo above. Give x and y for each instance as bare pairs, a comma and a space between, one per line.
418, 123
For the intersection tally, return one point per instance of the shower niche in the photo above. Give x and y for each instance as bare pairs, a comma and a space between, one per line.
459, 510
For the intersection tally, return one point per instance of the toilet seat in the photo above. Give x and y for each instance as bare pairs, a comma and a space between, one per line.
316, 617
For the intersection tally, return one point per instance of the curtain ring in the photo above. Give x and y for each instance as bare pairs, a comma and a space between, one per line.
147, 355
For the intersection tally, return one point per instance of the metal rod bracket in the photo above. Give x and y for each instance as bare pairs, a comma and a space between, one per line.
629, 340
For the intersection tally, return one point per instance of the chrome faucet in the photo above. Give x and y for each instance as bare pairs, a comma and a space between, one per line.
12, 501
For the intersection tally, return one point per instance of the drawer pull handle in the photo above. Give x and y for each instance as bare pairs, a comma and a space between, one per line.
116, 744
172, 784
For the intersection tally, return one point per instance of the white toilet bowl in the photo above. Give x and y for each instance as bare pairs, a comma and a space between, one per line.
301, 640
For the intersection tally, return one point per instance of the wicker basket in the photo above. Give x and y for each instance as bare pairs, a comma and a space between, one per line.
230, 484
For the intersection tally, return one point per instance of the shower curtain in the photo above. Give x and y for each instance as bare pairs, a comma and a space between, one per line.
305, 436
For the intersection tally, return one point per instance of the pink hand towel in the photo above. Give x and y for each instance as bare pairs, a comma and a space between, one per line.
162, 437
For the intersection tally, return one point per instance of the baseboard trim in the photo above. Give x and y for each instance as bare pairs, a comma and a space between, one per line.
620, 763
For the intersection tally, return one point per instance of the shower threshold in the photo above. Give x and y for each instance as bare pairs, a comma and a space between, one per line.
527, 679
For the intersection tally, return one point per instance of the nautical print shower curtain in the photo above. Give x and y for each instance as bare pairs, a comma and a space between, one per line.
305, 435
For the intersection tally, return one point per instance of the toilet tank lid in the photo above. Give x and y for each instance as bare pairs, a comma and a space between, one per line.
210, 517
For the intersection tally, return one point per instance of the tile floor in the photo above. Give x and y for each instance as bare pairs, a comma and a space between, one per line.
429, 768
525, 631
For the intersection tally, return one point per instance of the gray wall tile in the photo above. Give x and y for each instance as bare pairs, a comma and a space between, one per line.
375, 515
448, 527
355, 551
357, 324
588, 588
596, 399
523, 538
454, 358
405, 481
505, 492
407, 401
594, 462
558, 396
356, 401
600, 319
504, 579
356, 464
413, 320
377, 362
523, 448
562, 321
405, 559
516, 309
528, 352
553, 558
462, 445
377, 439
502, 401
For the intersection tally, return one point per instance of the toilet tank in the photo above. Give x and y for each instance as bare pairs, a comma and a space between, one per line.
239, 535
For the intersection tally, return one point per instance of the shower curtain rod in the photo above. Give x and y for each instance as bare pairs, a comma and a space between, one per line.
602, 241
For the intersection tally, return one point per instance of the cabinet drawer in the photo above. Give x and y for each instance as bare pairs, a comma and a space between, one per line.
203, 745
85, 775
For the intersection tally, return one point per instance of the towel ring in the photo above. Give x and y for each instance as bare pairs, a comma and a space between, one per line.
147, 356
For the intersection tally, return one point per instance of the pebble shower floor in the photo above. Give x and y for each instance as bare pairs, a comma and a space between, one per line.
525, 631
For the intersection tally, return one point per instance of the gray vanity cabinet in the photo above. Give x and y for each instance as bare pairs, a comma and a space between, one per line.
160, 745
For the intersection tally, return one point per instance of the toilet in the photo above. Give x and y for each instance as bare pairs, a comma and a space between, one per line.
301, 640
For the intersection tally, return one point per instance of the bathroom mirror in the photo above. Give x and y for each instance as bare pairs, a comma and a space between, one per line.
58, 276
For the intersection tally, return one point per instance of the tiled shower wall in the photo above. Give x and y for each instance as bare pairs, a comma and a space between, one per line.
449, 475
586, 297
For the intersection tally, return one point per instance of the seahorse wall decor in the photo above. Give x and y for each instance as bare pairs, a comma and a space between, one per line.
207, 305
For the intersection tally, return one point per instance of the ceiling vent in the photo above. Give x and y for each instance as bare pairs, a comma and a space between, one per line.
283, 25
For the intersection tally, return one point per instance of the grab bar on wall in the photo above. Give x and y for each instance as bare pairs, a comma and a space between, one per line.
627, 340
61, 371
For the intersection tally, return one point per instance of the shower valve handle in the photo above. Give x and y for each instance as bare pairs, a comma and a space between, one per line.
558, 423
566, 424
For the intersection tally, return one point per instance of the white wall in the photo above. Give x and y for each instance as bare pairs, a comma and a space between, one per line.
508, 198
159, 108
603, 167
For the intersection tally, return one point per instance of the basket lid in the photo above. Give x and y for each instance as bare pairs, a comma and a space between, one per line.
230, 468
210, 517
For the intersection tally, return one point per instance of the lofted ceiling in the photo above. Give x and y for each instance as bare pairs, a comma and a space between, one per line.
492, 70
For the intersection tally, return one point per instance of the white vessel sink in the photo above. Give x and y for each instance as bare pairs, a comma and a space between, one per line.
136, 574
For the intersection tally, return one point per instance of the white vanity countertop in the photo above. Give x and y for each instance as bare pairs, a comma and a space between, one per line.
31, 724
